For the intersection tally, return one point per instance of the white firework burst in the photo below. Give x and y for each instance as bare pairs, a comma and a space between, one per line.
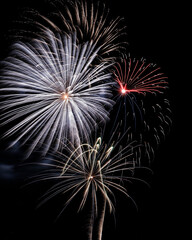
51, 91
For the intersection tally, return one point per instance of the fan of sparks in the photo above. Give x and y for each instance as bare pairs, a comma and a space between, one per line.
52, 93
139, 77
90, 21
91, 171
141, 103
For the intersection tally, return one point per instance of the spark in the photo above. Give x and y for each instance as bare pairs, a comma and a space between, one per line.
64, 96
123, 90
90, 177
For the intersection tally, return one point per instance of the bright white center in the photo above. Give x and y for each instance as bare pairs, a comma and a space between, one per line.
64, 96
123, 91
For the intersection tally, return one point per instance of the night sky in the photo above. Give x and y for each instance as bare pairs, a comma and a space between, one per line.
151, 34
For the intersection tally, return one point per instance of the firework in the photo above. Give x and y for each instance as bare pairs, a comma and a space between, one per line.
137, 76
140, 101
57, 87
52, 92
91, 172
90, 21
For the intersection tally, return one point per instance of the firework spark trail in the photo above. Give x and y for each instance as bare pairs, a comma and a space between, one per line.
141, 102
93, 172
52, 92
139, 77
90, 21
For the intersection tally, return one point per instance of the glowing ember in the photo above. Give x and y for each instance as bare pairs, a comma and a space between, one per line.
123, 91
64, 96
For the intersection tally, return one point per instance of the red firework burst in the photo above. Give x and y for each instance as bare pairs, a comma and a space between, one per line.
137, 76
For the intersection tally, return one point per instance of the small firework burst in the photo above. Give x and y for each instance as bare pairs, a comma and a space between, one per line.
91, 172
137, 76
140, 101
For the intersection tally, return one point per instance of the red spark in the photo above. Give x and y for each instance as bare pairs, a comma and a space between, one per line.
123, 90
137, 76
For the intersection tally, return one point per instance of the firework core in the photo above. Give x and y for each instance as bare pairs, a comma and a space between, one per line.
64, 96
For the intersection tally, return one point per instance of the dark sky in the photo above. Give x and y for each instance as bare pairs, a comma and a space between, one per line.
151, 33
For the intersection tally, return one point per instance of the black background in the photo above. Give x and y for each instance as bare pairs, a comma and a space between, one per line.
153, 33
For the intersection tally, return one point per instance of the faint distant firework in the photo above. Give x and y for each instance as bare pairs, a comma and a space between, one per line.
89, 20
